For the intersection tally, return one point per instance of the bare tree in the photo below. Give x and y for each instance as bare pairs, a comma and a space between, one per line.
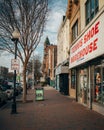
29, 17
36, 60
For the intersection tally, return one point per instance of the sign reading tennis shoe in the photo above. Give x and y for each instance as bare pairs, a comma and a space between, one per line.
89, 45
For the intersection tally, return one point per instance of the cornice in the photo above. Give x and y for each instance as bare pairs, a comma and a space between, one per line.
69, 7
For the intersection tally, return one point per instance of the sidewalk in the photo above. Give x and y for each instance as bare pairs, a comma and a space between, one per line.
56, 112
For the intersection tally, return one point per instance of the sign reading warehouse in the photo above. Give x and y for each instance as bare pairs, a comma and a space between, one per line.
89, 45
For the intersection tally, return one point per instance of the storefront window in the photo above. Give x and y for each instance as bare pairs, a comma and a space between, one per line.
91, 7
73, 78
75, 31
99, 84
83, 85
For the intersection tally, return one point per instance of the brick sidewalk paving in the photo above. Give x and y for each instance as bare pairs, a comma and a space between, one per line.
56, 112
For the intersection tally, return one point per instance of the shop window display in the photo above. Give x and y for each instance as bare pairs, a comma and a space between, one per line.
99, 84
83, 85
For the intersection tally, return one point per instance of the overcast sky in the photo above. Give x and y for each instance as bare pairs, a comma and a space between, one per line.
57, 10
56, 13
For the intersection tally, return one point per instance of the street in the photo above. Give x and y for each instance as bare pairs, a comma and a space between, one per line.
55, 112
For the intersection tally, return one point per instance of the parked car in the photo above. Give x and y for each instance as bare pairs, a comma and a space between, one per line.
8, 89
9, 93
11, 83
19, 87
3, 96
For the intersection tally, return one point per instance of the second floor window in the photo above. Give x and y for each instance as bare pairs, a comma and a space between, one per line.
75, 31
91, 7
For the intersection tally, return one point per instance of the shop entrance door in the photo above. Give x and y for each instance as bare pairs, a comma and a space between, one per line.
83, 86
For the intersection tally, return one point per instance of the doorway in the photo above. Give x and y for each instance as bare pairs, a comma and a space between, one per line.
83, 86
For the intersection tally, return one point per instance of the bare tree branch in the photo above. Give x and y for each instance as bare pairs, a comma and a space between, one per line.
29, 17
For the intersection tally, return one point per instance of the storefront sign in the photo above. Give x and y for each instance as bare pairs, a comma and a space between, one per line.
90, 45
62, 69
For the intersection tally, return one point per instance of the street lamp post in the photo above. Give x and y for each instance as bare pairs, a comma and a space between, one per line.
15, 37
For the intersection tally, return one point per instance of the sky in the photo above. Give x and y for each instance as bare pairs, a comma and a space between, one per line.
57, 9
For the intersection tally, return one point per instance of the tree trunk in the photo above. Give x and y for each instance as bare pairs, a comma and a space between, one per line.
24, 85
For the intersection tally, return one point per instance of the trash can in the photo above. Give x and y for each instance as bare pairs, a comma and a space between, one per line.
39, 94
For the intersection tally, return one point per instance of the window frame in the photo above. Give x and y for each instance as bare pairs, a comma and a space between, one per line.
91, 9
75, 30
